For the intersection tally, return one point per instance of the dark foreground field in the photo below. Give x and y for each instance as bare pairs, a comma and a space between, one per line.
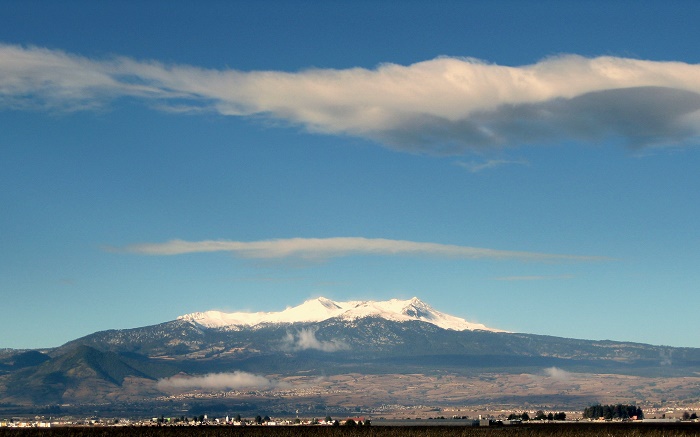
566, 430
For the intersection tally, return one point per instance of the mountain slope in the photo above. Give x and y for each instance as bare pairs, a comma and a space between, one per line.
22, 359
83, 371
379, 344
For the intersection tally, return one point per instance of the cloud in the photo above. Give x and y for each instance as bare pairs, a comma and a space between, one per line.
557, 373
439, 106
532, 278
666, 357
218, 381
475, 167
324, 248
306, 339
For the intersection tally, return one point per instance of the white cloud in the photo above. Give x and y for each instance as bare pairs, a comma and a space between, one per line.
218, 381
306, 339
557, 373
532, 278
323, 248
442, 106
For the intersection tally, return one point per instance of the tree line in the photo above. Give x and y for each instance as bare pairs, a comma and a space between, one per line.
619, 411
539, 415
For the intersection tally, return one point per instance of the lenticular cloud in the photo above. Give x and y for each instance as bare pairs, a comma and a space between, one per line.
324, 248
440, 106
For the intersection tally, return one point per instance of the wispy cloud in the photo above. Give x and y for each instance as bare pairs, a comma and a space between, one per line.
306, 339
475, 167
532, 278
324, 248
440, 106
218, 381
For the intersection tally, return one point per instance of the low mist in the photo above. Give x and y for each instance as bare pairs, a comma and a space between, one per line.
218, 381
306, 339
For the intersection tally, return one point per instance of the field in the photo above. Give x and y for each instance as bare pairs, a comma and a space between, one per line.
566, 430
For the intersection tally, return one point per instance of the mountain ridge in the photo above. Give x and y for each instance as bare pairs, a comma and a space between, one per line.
321, 309
395, 337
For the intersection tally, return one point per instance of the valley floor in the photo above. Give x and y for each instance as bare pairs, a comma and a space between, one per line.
415, 395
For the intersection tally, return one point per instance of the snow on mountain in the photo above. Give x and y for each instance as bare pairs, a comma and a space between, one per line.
320, 309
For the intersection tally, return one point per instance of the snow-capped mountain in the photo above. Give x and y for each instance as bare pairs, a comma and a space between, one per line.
317, 338
320, 309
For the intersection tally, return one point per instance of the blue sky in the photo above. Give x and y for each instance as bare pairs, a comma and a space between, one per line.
532, 166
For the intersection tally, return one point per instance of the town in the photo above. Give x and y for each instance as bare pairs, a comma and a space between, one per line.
457, 418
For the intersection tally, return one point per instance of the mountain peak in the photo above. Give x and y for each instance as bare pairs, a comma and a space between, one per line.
417, 308
321, 308
415, 302
327, 303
